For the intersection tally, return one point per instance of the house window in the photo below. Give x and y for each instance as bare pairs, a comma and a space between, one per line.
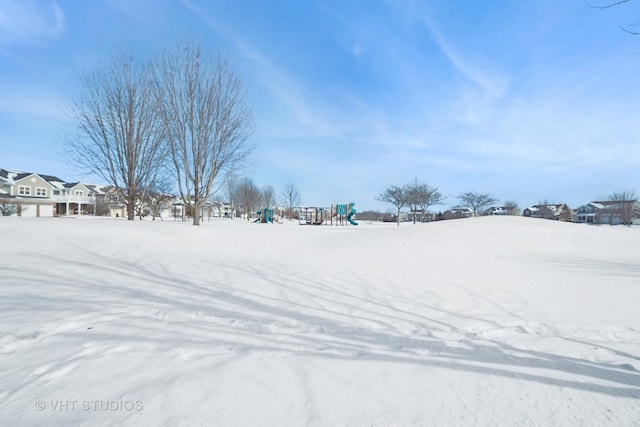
24, 190
41, 191
79, 193
56, 192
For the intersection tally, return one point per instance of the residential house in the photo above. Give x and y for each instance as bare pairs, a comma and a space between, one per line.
496, 210
109, 202
589, 213
458, 212
609, 212
560, 212
74, 199
39, 195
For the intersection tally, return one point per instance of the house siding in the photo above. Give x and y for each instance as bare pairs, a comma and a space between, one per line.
32, 182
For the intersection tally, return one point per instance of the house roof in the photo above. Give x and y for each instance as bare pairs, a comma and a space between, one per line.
13, 176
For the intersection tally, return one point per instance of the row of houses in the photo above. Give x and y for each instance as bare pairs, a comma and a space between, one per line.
29, 194
599, 212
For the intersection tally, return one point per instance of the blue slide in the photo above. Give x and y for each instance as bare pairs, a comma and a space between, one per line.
350, 217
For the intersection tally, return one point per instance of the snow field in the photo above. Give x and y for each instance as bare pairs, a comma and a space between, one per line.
485, 321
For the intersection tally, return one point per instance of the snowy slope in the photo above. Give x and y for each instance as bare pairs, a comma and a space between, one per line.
477, 322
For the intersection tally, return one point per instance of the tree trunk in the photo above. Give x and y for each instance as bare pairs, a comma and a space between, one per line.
196, 213
131, 211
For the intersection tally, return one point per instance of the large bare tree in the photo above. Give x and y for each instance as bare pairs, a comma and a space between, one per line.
118, 134
206, 118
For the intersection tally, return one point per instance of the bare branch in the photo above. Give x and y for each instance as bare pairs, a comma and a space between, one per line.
607, 6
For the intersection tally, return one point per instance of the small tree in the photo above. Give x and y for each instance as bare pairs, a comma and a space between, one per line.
476, 201
623, 203
290, 198
248, 196
512, 207
156, 197
268, 196
428, 196
397, 196
412, 197
7, 209
420, 197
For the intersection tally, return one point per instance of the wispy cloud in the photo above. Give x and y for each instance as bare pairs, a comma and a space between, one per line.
492, 84
287, 92
29, 21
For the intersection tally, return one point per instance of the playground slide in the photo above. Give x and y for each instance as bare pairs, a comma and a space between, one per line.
350, 217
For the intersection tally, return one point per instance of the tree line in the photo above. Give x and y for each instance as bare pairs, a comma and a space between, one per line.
418, 197
245, 195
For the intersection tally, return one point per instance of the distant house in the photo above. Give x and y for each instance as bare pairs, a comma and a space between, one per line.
458, 212
560, 212
109, 201
495, 210
589, 213
74, 199
609, 212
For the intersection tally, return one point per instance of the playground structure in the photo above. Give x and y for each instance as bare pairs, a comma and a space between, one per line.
265, 216
341, 214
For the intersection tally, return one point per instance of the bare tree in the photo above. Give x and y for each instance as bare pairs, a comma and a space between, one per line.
476, 201
268, 196
158, 195
429, 196
623, 203
512, 207
248, 196
412, 197
7, 208
397, 196
118, 134
420, 196
206, 119
290, 197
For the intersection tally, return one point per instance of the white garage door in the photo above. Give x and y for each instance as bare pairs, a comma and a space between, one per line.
28, 210
46, 210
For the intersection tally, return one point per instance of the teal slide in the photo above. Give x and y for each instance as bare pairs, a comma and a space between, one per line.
350, 217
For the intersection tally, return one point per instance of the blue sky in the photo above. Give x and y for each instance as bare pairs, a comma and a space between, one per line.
526, 100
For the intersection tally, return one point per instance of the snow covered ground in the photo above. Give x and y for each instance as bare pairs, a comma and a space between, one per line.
477, 322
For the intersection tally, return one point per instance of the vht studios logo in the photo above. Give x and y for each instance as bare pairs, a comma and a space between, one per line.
89, 405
